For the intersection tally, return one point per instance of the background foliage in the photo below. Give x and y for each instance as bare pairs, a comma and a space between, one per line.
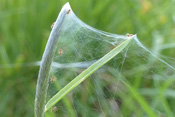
25, 27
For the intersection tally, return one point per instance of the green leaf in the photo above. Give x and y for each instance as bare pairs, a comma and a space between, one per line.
80, 78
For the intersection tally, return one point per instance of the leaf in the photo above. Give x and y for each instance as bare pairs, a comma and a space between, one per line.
80, 78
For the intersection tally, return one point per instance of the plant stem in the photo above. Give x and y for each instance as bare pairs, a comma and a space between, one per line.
43, 77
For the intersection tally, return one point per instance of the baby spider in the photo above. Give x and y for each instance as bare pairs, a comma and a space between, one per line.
53, 79
52, 25
54, 109
129, 35
60, 52
68, 11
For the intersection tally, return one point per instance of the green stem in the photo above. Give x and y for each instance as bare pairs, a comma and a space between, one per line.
43, 77
85, 74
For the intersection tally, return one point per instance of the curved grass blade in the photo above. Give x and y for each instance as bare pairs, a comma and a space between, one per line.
80, 78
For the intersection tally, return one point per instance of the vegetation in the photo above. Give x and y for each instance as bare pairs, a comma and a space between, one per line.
25, 28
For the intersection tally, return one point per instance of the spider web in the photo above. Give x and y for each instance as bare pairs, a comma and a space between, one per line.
136, 79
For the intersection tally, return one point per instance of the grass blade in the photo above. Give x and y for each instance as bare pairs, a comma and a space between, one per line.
80, 78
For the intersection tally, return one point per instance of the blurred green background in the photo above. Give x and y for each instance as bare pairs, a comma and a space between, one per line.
25, 28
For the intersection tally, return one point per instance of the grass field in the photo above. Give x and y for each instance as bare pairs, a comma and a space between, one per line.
25, 28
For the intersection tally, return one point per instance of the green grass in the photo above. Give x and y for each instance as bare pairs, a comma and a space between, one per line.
85, 74
25, 28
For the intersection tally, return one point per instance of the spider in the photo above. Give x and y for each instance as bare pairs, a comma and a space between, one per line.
54, 109
129, 35
52, 25
53, 79
60, 52
68, 11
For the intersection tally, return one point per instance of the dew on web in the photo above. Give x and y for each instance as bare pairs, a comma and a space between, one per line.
135, 73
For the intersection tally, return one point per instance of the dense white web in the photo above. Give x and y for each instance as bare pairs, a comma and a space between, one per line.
134, 75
